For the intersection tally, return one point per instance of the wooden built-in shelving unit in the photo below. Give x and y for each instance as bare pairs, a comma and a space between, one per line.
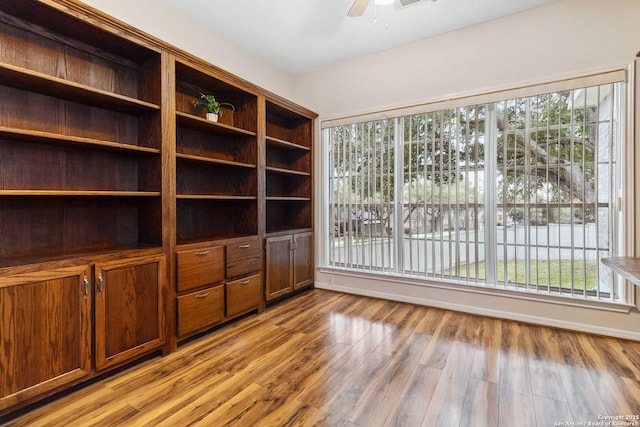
288, 169
126, 218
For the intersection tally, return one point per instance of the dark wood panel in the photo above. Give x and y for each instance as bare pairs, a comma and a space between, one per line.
299, 136
66, 29
296, 160
44, 332
302, 260
43, 55
128, 309
191, 83
201, 178
279, 266
279, 184
201, 220
28, 110
50, 167
287, 125
32, 227
288, 215
240, 149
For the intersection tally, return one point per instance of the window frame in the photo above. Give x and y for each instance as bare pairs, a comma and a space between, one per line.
620, 74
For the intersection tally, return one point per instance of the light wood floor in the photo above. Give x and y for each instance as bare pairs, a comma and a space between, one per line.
331, 359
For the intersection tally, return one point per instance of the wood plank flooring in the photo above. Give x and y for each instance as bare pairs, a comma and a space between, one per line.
331, 359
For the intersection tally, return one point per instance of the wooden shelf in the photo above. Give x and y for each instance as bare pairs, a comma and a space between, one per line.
286, 144
212, 197
202, 124
54, 138
44, 84
79, 193
287, 199
188, 244
287, 230
78, 257
215, 161
287, 171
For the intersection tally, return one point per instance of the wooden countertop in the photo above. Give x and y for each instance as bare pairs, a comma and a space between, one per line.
627, 266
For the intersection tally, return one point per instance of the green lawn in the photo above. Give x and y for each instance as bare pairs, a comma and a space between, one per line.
555, 273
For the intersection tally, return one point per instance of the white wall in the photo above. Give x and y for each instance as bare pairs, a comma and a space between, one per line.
562, 39
567, 37
161, 20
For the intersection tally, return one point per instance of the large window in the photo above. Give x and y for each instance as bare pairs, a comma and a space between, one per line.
518, 194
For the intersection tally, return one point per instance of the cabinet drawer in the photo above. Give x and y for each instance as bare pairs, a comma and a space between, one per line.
243, 294
200, 309
244, 257
200, 267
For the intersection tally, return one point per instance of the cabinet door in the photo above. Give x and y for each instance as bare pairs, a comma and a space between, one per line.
302, 260
45, 331
128, 308
279, 262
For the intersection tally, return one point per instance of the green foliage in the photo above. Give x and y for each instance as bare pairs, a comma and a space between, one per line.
546, 152
209, 103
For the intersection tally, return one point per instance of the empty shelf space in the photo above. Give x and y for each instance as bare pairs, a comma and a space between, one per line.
79, 193
33, 81
213, 197
214, 161
54, 138
286, 144
287, 171
287, 198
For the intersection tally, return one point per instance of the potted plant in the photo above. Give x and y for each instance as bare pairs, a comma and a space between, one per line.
213, 107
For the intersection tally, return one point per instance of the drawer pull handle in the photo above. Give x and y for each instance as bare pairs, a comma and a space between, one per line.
86, 285
202, 253
245, 282
200, 296
247, 246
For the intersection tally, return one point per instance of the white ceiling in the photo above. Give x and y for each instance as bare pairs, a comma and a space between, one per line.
298, 36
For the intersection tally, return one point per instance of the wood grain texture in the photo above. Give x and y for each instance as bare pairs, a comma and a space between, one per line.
329, 359
45, 338
200, 309
129, 309
279, 266
200, 267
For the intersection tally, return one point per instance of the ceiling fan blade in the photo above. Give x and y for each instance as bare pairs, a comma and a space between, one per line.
358, 7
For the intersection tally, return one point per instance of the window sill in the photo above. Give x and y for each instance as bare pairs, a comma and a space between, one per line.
557, 299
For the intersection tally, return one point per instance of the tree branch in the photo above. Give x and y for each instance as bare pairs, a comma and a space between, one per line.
568, 178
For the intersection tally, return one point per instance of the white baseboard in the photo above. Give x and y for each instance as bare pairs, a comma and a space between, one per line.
554, 323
